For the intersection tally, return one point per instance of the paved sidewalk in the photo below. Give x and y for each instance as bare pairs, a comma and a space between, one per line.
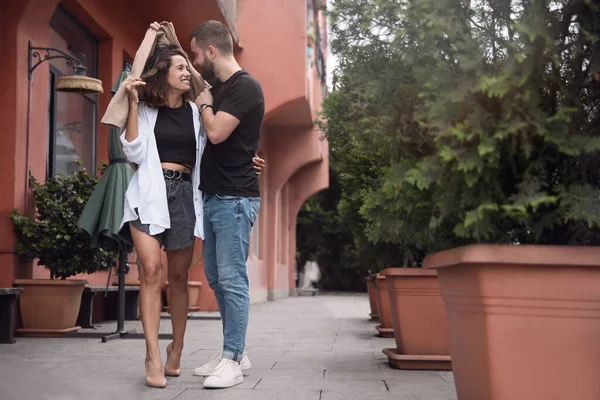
304, 348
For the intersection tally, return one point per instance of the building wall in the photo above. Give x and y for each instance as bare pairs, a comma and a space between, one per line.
272, 46
274, 38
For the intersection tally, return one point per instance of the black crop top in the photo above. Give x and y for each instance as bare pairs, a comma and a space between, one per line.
175, 136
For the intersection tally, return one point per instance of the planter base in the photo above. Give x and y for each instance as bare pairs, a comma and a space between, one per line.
385, 332
374, 317
46, 332
416, 362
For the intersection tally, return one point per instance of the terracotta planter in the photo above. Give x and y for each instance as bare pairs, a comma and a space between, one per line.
523, 321
49, 307
194, 291
372, 297
418, 318
382, 299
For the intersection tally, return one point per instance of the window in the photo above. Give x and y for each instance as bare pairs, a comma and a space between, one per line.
72, 117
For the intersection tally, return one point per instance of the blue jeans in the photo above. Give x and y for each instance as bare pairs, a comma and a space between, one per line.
227, 224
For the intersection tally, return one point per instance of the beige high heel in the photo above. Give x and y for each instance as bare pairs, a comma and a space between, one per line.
159, 382
169, 371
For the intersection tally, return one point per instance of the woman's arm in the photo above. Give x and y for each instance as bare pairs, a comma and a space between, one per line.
131, 86
131, 132
134, 145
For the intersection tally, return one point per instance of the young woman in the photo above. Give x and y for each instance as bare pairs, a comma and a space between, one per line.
163, 204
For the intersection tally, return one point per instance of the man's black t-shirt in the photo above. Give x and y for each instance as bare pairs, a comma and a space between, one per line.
227, 168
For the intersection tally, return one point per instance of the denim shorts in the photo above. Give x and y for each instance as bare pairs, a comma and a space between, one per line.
180, 197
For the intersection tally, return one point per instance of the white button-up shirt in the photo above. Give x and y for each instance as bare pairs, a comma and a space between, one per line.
147, 191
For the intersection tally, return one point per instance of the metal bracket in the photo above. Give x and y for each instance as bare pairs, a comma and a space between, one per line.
42, 54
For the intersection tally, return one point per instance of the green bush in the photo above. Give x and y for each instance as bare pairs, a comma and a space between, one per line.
53, 236
478, 120
453, 123
510, 110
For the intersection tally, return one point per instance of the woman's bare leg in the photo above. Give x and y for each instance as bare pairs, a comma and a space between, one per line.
149, 254
179, 265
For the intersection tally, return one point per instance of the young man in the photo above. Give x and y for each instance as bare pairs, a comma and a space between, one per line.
232, 120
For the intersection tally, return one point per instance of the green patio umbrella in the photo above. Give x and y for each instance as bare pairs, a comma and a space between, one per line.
103, 212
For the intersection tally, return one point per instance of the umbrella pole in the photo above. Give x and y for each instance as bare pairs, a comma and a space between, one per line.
108, 282
121, 333
123, 270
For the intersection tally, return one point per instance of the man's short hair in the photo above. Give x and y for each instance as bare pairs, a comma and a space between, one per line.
215, 34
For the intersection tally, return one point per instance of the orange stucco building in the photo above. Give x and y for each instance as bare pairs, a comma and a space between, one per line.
282, 43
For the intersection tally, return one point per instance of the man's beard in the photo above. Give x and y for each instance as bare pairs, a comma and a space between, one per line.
207, 70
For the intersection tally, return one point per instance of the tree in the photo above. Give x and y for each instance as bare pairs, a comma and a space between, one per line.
458, 122
510, 106
331, 229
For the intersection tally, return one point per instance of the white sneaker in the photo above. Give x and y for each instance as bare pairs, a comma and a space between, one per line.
245, 363
227, 374
210, 366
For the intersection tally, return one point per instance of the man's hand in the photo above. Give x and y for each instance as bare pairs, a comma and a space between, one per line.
155, 26
205, 97
259, 164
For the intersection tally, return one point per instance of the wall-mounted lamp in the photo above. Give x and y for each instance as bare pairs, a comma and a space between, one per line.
76, 83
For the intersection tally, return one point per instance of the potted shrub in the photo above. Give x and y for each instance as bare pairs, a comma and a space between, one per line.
49, 307
493, 108
509, 162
